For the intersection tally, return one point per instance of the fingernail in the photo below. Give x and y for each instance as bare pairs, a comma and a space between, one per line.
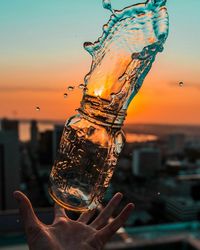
131, 206
16, 196
119, 194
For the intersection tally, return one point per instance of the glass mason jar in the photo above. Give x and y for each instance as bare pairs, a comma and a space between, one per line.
85, 162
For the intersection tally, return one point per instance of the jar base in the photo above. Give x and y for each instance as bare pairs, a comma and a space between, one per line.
70, 201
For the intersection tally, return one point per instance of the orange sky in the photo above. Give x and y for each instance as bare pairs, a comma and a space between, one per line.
159, 101
42, 55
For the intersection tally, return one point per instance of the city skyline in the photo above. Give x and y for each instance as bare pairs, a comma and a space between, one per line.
42, 54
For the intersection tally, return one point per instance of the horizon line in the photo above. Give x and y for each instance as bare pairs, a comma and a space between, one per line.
52, 121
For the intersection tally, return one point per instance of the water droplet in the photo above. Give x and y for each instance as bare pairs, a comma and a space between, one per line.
65, 95
17, 220
158, 193
81, 86
105, 27
37, 108
88, 46
85, 89
70, 88
181, 84
107, 4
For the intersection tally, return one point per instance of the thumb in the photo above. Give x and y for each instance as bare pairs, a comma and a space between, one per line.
27, 214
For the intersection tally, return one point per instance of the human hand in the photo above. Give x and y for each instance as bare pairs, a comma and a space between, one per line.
66, 234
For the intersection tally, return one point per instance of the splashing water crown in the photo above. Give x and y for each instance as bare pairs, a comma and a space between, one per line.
122, 57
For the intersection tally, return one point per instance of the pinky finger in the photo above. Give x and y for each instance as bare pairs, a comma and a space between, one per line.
107, 232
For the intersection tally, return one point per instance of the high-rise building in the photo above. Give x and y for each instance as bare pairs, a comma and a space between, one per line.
146, 161
181, 208
34, 136
176, 143
9, 167
9, 125
57, 133
46, 147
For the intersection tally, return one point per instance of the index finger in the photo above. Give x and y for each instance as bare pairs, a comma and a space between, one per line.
29, 218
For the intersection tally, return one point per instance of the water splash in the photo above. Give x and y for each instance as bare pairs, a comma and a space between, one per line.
70, 88
85, 89
107, 5
181, 84
124, 54
37, 108
81, 86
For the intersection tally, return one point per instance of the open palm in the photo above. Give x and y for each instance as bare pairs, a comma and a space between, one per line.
66, 234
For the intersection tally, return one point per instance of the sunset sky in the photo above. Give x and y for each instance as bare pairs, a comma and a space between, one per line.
41, 53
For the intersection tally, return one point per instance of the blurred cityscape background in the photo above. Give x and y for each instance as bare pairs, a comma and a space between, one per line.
42, 55
159, 170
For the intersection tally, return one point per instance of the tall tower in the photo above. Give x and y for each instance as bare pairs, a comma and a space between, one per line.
9, 163
34, 136
146, 162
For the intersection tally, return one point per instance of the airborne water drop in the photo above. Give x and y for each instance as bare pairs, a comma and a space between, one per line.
81, 86
37, 108
181, 84
107, 4
70, 88
112, 95
85, 89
